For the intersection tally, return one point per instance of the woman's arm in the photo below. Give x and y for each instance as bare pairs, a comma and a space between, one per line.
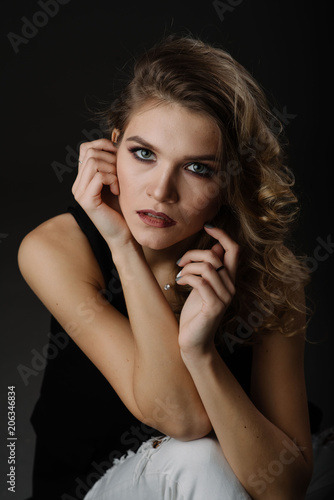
57, 262
162, 386
141, 358
266, 439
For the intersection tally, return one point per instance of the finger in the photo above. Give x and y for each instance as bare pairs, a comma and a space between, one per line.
91, 197
197, 255
231, 248
212, 304
219, 250
92, 166
108, 179
98, 155
100, 144
219, 275
93, 154
219, 281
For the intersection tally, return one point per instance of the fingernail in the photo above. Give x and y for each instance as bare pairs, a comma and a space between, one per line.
178, 278
209, 226
178, 261
178, 274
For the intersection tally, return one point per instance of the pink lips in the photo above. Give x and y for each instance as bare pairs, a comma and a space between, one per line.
156, 219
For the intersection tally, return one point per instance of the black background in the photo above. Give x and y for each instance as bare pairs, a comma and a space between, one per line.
80, 54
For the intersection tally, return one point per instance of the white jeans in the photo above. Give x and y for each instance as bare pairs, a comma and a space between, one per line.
174, 470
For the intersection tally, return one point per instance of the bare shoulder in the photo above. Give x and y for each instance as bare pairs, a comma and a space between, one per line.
58, 264
61, 229
58, 244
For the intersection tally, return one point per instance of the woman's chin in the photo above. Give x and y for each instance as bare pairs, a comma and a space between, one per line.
163, 243
155, 242
154, 245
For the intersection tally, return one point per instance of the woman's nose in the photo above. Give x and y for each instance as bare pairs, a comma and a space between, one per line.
163, 185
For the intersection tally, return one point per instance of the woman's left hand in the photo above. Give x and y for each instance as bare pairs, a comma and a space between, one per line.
211, 295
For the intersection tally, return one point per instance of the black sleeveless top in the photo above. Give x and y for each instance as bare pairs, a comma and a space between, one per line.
79, 420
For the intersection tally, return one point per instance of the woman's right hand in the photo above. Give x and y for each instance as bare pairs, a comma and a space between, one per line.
97, 168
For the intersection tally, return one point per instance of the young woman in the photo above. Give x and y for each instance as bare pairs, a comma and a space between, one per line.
188, 199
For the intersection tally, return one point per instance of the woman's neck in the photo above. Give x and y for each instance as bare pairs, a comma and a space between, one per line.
163, 262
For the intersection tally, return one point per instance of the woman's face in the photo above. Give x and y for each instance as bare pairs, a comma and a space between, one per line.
168, 174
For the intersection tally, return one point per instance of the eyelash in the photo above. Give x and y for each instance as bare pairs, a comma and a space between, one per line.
210, 171
134, 151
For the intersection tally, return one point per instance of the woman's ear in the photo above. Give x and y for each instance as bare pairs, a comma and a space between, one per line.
115, 135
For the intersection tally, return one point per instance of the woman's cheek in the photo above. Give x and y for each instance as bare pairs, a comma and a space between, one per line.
204, 204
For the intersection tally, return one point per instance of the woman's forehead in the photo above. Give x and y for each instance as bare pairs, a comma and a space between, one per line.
174, 125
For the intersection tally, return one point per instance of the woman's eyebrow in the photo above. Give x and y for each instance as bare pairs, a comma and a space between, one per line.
141, 141
144, 143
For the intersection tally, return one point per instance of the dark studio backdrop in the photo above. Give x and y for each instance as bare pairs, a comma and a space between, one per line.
58, 54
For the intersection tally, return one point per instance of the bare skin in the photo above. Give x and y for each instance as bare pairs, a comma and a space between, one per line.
145, 358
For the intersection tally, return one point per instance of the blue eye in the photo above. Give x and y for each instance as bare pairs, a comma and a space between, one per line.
142, 154
146, 155
200, 169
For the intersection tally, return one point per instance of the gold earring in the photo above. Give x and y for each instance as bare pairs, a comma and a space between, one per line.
115, 135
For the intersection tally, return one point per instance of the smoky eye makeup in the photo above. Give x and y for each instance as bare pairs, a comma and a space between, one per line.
144, 154
201, 169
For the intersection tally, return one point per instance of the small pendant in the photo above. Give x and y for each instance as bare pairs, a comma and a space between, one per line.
167, 286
